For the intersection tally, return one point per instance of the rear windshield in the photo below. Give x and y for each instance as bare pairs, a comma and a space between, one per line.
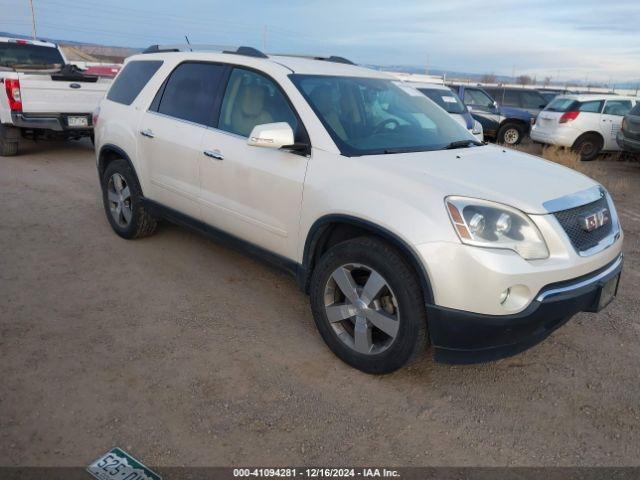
132, 79
570, 105
18, 54
560, 105
446, 99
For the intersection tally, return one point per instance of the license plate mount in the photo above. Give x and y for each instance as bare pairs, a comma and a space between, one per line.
608, 292
78, 122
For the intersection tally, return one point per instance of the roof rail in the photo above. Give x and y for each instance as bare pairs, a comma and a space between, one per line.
246, 51
331, 58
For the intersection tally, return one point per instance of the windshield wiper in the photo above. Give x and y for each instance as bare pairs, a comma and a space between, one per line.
462, 144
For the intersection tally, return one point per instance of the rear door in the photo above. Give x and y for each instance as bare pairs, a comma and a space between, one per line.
170, 134
251, 192
611, 121
531, 101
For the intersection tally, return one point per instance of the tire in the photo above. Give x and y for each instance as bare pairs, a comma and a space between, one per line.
588, 146
8, 141
132, 220
400, 298
510, 134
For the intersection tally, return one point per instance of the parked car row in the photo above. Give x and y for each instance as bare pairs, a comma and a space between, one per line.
589, 124
402, 227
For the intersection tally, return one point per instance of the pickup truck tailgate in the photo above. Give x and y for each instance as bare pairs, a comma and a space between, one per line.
41, 94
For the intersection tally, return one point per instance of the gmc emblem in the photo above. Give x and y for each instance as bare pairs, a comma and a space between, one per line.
594, 220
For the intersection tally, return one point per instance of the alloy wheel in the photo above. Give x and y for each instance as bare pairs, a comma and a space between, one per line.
361, 308
119, 197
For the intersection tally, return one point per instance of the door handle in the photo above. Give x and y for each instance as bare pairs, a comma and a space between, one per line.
147, 133
214, 154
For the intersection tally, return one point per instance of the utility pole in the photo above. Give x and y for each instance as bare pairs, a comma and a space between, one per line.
264, 38
33, 19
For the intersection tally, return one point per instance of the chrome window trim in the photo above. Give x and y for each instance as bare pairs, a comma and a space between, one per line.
189, 122
584, 283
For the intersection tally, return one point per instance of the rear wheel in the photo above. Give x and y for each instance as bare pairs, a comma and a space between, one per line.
8, 141
588, 146
368, 306
510, 134
123, 204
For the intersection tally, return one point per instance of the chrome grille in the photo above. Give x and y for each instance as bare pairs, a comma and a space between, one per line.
580, 238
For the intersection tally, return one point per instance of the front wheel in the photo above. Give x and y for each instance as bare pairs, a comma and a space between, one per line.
368, 305
510, 134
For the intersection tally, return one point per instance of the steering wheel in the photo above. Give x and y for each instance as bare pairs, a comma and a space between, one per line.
383, 124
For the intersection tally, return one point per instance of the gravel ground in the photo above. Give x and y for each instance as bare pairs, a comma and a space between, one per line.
183, 352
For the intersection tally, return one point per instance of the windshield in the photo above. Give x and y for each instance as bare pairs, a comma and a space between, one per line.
25, 54
369, 116
445, 99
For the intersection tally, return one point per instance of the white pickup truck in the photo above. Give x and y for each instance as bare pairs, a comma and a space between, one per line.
42, 96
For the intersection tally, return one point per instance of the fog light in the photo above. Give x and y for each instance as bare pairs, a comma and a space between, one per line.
504, 295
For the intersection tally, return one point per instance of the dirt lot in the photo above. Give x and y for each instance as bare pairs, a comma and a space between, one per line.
186, 353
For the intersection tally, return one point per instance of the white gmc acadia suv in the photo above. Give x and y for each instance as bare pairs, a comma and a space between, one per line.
400, 225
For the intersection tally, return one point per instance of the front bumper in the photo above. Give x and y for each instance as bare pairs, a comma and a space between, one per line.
627, 143
464, 337
57, 122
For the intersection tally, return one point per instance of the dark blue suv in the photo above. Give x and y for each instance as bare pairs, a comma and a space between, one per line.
502, 124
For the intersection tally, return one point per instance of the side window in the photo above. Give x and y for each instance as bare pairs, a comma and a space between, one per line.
635, 110
132, 80
190, 92
617, 107
512, 98
592, 107
252, 99
532, 100
477, 97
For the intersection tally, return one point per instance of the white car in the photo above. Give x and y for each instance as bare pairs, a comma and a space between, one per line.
401, 226
445, 98
42, 95
587, 123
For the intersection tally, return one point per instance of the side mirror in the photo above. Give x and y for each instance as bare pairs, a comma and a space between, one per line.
469, 107
271, 135
494, 105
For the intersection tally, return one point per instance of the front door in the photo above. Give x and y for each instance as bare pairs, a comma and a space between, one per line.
251, 192
483, 109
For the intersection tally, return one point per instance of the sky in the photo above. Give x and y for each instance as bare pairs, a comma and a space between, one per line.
589, 41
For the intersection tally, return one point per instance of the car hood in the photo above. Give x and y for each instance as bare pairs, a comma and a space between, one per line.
492, 173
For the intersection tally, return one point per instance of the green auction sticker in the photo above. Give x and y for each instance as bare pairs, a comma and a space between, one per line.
117, 464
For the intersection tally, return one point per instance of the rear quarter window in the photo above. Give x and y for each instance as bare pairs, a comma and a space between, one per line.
133, 78
593, 106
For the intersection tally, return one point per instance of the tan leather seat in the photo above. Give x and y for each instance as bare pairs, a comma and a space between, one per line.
249, 110
321, 98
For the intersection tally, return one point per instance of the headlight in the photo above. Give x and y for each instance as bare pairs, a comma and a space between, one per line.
493, 225
477, 128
